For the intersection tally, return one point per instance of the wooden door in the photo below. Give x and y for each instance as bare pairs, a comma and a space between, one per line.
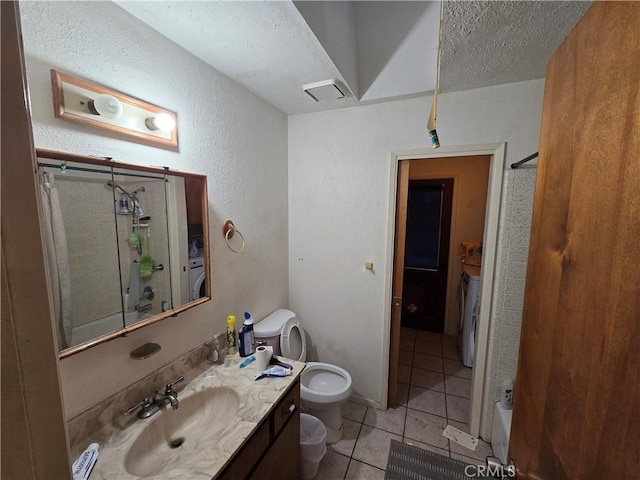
426, 258
398, 269
34, 435
578, 383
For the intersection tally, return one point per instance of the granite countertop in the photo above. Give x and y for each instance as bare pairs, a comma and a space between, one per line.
204, 458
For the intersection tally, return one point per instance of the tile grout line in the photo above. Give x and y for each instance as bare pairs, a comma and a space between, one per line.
347, 469
446, 404
404, 425
357, 438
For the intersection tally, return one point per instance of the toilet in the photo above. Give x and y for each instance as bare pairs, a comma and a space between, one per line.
324, 387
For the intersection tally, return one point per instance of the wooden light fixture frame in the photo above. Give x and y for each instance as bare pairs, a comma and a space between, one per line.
71, 96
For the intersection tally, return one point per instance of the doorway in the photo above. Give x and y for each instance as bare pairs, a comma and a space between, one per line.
489, 206
426, 256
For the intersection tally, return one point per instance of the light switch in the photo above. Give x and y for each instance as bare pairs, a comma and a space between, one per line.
368, 265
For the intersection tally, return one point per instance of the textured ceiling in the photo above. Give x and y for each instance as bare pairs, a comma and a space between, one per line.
489, 43
379, 50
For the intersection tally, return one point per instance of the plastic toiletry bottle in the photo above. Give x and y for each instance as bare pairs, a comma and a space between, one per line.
247, 340
124, 205
506, 399
232, 346
193, 251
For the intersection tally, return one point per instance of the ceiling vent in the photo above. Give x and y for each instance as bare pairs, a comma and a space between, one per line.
325, 90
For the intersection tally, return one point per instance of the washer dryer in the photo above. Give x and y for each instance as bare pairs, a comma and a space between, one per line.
196, 278
469, 308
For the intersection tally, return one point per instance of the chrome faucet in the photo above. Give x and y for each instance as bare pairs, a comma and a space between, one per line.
151, 407
170, 396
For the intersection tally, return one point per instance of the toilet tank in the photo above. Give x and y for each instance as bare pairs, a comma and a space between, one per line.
268, 329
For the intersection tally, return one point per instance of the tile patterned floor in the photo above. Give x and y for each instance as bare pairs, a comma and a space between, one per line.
433, 391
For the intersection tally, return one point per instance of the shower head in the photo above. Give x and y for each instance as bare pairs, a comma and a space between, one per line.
112, 184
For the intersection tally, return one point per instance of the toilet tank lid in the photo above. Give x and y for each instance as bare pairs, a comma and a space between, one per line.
271, 325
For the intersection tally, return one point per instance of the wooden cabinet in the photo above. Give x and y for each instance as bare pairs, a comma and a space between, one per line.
273, 451
282, 460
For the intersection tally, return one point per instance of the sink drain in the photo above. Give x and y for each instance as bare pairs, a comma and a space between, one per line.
176, 442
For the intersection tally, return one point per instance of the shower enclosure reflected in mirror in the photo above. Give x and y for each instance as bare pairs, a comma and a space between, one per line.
126, 245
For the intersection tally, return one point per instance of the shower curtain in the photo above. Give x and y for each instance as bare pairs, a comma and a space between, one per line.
57, 259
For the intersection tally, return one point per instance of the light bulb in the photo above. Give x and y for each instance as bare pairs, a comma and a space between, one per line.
162, 121
106, 106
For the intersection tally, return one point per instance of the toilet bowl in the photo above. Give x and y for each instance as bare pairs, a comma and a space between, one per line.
323, 387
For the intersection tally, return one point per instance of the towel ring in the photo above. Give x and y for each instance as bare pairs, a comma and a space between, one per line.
229, 229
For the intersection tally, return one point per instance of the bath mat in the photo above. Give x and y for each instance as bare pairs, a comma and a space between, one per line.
407, 462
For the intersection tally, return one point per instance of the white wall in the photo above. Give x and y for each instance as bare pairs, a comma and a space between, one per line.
226, 132
339, 183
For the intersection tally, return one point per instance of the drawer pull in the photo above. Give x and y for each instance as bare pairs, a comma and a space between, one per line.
291, 409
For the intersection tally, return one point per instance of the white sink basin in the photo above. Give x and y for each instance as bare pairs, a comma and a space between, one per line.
177, 437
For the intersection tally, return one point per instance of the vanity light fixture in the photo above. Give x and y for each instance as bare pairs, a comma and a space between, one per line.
162, 121
106, 105
80, 101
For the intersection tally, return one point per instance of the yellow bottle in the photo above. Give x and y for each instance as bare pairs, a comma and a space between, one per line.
231, 335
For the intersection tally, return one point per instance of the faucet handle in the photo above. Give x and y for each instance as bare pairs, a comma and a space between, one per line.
169, 387
144, 403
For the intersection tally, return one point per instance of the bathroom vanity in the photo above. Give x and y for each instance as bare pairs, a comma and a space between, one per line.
273, 451
227, 426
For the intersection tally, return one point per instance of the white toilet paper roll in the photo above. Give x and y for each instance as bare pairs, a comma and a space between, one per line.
263, 355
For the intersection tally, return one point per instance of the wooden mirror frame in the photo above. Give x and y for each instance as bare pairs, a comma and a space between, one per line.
189, 177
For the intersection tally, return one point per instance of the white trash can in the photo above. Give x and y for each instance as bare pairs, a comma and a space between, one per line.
312, 445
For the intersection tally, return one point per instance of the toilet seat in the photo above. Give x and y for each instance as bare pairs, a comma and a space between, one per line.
282, 330
293, 344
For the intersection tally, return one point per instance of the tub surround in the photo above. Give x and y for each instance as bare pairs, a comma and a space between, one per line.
257, 399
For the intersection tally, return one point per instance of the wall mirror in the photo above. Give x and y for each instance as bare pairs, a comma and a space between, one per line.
126, 245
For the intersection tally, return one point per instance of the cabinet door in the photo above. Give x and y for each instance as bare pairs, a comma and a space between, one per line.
576, 396
282, 461
243, 462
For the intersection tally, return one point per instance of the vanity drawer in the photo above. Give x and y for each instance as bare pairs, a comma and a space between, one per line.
286, 408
